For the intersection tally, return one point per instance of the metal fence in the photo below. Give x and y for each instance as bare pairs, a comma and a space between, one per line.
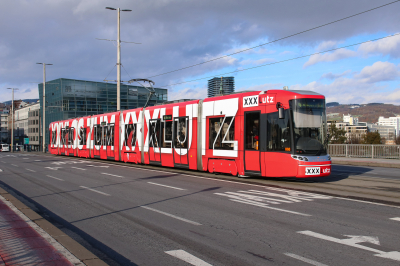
365, 151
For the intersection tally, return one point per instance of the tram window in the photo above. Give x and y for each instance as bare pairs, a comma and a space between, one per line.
82, 135
278, 132
154, 133
252, 131
130, 135
181, 132
97, 135
166, 138
220, 134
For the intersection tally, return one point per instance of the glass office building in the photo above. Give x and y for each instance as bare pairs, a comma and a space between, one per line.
69, 98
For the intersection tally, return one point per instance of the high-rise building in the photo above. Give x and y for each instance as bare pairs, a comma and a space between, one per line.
220, 86
393, 121
68, 98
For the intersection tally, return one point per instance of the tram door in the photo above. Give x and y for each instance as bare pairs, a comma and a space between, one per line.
181, 134
252, 142
154, 141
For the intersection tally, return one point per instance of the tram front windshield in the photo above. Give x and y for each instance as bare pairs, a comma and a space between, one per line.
309, 126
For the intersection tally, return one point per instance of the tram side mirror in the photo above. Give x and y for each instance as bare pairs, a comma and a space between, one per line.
281, 110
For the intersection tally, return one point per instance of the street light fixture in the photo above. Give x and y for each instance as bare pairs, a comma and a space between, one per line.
118, 58
44, 105
12, 119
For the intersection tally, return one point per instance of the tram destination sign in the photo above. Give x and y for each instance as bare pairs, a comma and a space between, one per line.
167, 117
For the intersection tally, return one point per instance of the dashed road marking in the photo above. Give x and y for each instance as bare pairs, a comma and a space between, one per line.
395, 219
112, 175
187, 257
30, 170
14, 165
78, 168
171, 215
165, 186
94, 190
55, 177
312, 262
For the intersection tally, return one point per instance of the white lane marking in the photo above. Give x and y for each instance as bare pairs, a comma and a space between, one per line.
53, 168
381, 204
187, 257
239, 183
395, 219
68, 255
25, 158
267, 207
171, 215
91, 189
312, 262
165, 186
1, 170
37, 160
98, 166
78, 168
353, 241
55, 177
14, 165
112, 175
30, 170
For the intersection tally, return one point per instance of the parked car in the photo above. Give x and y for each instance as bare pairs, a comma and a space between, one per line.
4, 147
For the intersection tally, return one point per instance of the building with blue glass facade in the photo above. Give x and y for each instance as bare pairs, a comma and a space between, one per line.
69, 98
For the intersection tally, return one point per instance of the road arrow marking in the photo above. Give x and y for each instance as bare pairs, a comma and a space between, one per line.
354, 241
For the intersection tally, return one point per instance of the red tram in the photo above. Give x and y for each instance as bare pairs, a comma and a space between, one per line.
275, 133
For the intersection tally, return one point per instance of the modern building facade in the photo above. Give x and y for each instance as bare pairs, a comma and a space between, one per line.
4, 127
350, 119
34, 131
24, 125
69, 98
220, 86
391, 121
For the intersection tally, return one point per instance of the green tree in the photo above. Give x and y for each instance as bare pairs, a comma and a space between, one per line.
336, 135
372, 138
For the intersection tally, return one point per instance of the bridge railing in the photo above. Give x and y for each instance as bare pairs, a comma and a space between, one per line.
365, 151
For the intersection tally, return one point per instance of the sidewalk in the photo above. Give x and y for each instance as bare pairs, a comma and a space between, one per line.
21, 244
28, 239
391, 163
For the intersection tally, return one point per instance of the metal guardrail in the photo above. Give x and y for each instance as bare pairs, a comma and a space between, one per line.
365, 151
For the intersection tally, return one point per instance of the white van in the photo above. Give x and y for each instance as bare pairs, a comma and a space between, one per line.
5, 147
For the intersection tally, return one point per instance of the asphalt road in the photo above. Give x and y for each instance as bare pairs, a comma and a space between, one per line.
136, 216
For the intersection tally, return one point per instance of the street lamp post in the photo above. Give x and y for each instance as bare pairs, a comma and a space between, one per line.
118, 57
44, 106
12, 119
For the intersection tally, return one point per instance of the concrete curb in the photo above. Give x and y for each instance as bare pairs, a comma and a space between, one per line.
81, 253
366, 163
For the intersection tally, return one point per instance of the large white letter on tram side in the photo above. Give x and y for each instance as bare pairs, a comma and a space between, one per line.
130, 116
228, 108
81, 124
147, 118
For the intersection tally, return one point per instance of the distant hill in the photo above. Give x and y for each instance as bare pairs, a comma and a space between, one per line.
25, 100
366, 113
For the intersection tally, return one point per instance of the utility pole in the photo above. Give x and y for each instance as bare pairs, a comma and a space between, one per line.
44, 107
12, 119
118, 56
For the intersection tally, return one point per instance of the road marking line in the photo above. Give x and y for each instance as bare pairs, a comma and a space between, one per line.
187, 257
30, 170
312, 262
112, 175
55, 177
381, 204
267, 207
171, 215
1, 170
14, 165
25, 158
395, 219
235, 182
91, 189
78, 168
165, 186
37, 160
